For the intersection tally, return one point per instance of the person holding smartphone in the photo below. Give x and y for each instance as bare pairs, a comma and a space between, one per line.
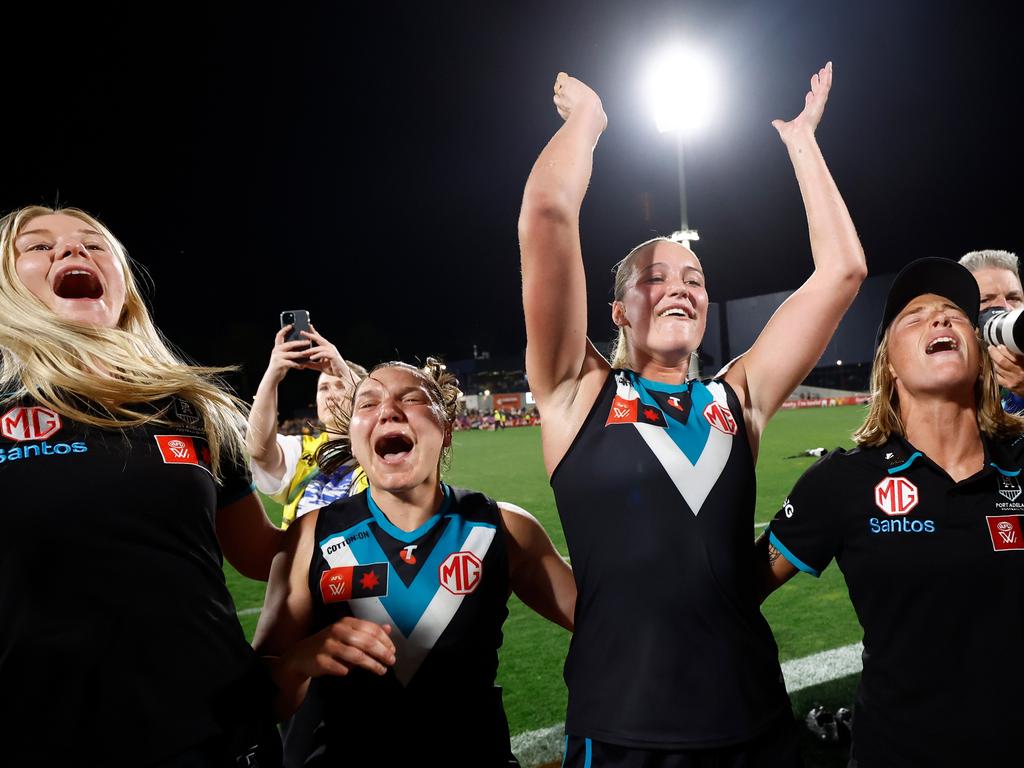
125, 486
284, 466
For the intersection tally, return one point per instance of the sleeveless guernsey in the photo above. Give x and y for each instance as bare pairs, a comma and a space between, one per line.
443, 589
656, 496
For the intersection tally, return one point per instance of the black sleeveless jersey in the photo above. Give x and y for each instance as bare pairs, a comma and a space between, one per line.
656, 496
443, 588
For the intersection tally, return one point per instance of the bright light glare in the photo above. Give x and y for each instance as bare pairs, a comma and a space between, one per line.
680, 86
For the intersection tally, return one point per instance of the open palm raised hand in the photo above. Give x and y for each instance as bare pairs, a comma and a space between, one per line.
814, 106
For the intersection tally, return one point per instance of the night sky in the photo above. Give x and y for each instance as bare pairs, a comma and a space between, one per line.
367, 163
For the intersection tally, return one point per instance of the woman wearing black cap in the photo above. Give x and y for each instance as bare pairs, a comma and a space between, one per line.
925, 520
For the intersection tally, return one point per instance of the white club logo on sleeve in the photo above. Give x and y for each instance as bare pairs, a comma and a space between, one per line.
896, 495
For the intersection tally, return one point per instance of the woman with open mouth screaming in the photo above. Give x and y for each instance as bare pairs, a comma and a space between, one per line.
924, 518
124, 478
394, 599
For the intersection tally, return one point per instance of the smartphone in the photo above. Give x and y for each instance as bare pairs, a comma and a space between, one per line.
299, 320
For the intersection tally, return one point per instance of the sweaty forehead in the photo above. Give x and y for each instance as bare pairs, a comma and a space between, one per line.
391, 379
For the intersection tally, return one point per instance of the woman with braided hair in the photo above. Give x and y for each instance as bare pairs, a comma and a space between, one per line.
394, 599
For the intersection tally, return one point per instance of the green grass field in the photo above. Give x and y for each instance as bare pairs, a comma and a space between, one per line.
807, 615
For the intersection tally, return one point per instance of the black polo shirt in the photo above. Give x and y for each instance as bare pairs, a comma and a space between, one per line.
935, 571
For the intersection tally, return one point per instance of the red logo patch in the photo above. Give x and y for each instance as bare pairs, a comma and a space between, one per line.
177, 449
351, 582
336, 585
720, 417
623, 411
29, 423
1006, 532
460, 574
896, 496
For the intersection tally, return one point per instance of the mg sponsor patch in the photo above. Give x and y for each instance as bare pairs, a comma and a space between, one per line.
29, 423
1006, 532
461, 572
352, 582
721, 418
896, 496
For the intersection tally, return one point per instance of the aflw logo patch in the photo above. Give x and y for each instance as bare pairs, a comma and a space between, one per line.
351, 582
1006, 532
625, 411
182, 449
29, 423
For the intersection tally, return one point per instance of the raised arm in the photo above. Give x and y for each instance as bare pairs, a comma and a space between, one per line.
554, 286
540, 577
261, 434
285, 621
797, 334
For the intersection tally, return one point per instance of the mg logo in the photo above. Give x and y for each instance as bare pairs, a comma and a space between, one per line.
34, 423
719, 417
460, 574
896, 495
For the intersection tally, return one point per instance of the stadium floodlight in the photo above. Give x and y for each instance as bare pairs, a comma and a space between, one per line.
680, 86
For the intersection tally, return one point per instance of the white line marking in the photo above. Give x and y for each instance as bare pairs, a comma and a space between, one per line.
760, 525
249, 611
545, 745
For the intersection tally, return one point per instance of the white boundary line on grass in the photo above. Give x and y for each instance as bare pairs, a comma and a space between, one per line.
545, 745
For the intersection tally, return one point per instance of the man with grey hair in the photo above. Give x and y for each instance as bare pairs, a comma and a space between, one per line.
999, 282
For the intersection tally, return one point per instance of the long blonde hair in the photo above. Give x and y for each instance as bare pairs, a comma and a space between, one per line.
883, 419
100, 376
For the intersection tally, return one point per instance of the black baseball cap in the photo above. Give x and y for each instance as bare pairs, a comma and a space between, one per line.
943, 277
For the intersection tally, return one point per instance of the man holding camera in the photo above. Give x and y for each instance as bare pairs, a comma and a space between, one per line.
999, 282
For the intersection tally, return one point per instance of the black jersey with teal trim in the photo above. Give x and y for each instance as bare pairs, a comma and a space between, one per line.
443, 588
935, 570
656, 496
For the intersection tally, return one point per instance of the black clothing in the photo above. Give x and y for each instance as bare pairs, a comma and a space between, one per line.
656, 496
935, 571
119, 643
443, 588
